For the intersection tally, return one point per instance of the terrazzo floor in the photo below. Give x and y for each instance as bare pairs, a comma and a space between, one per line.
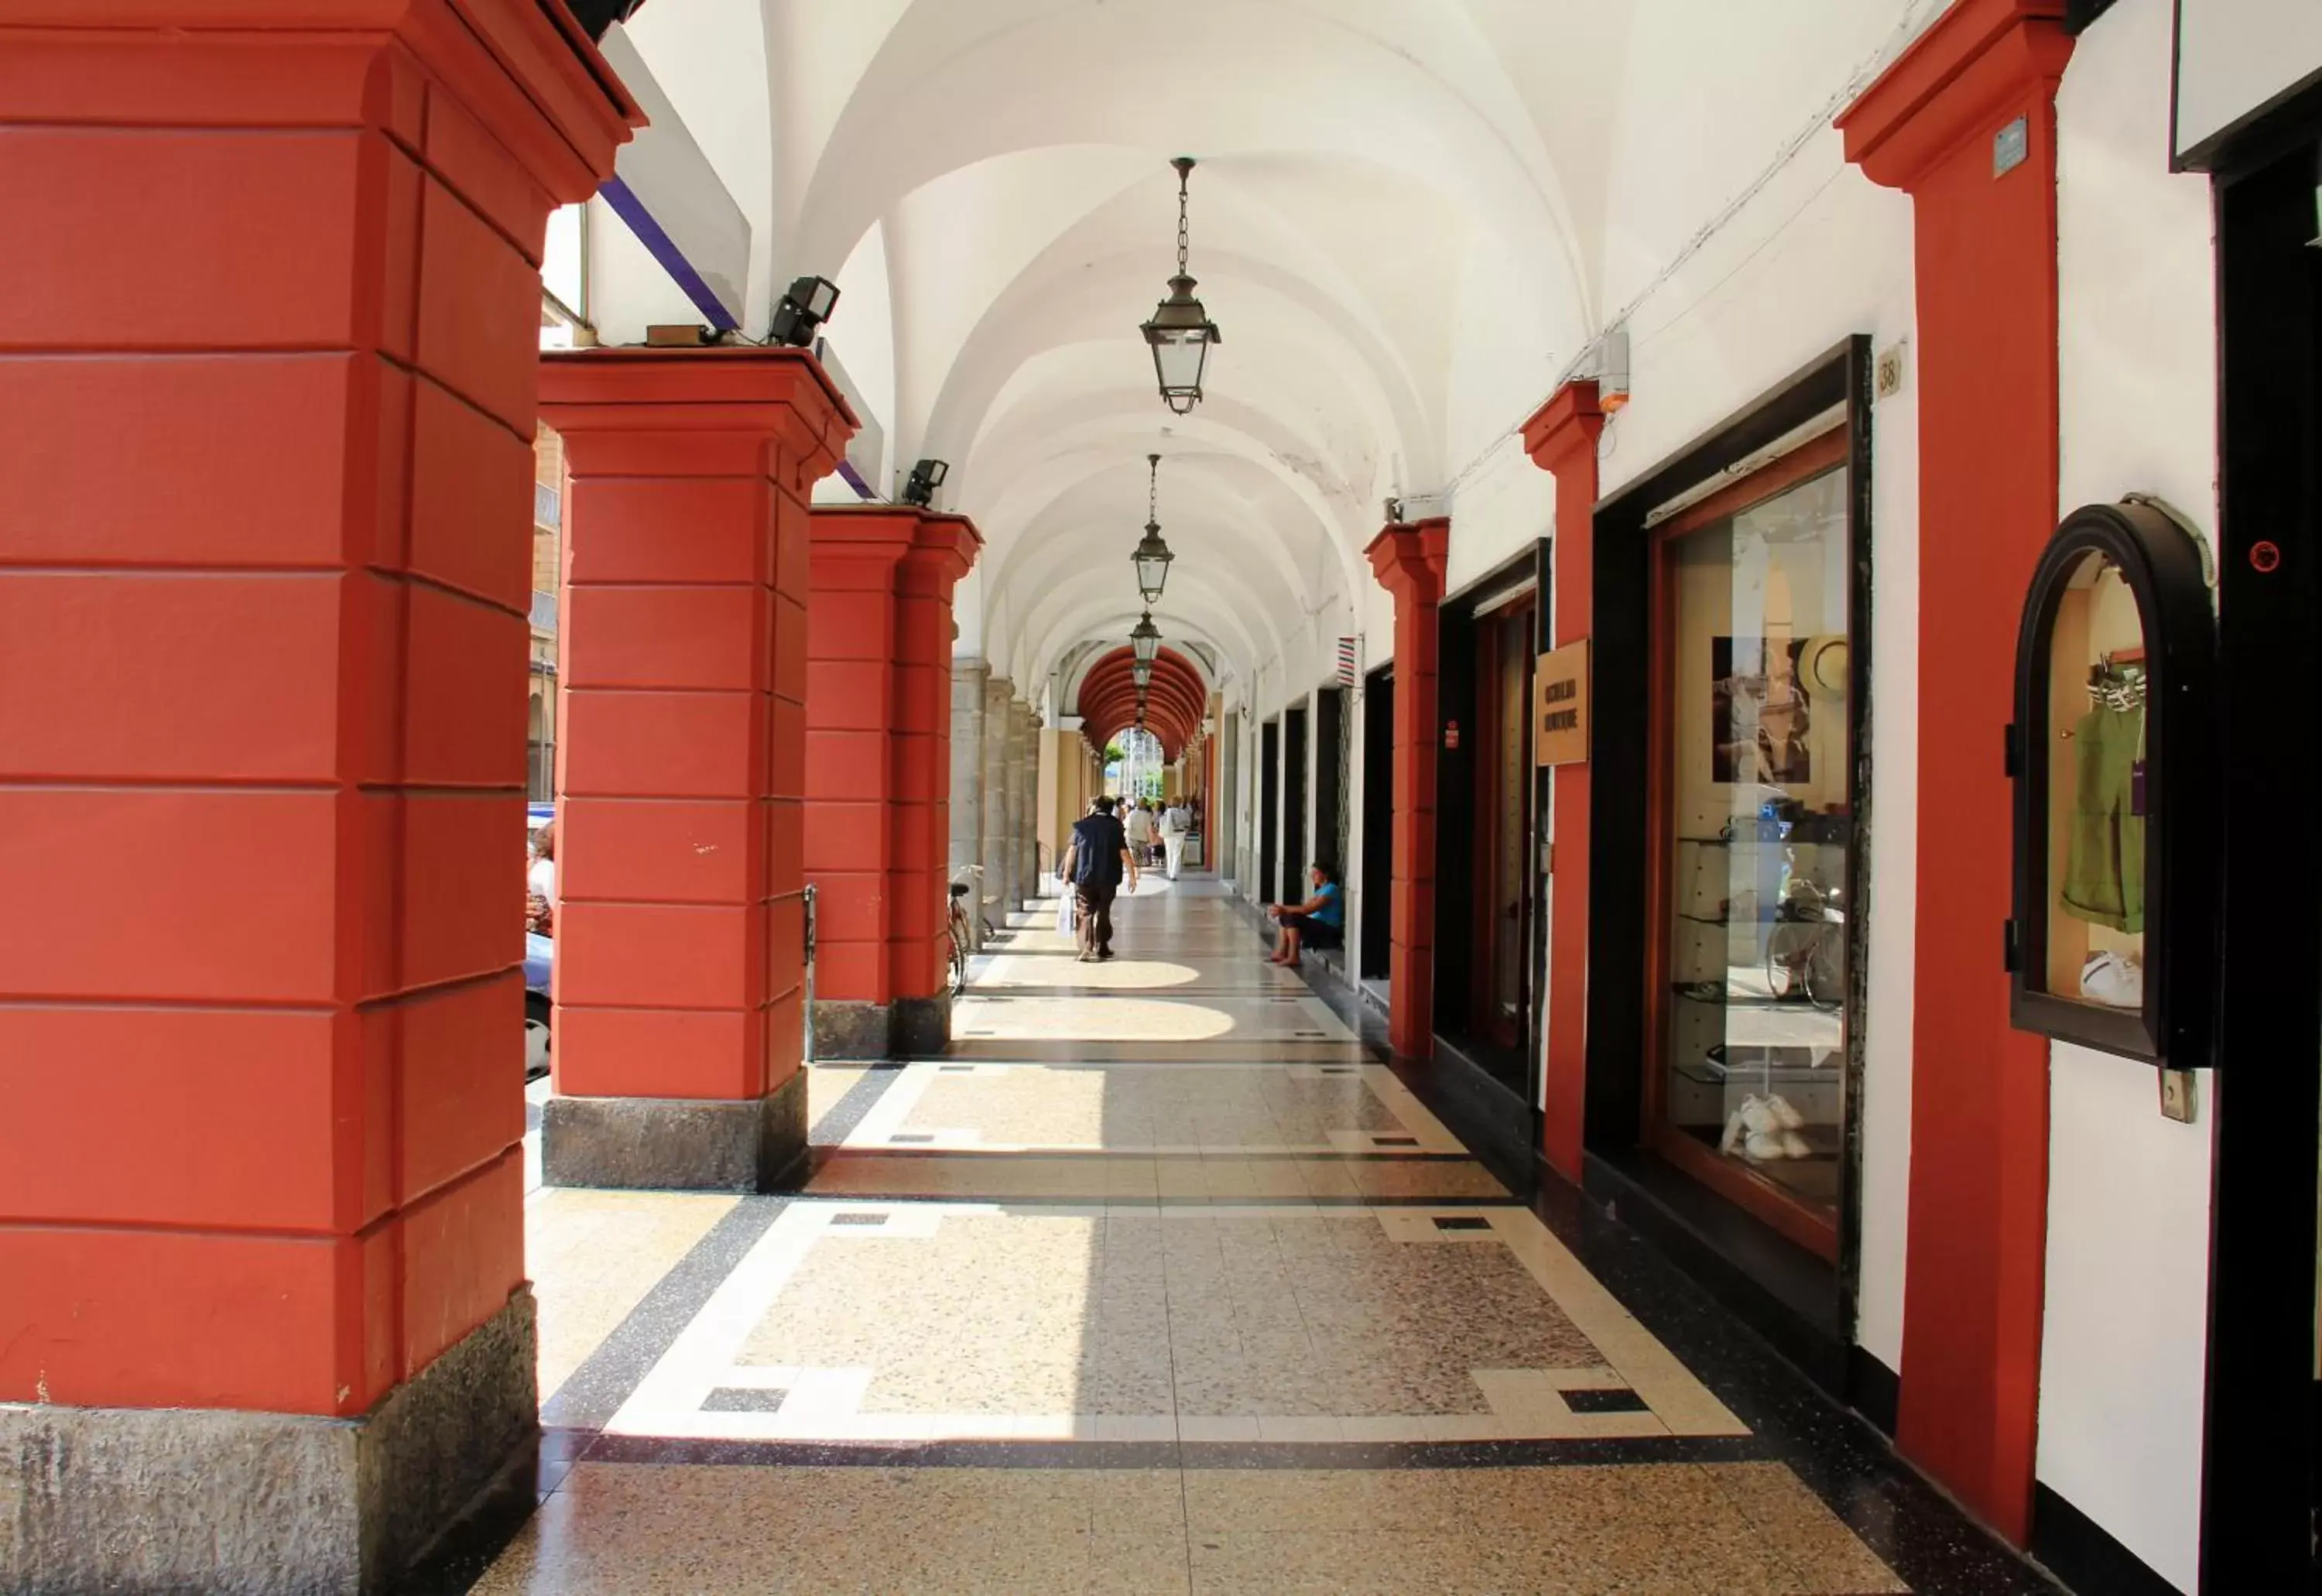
1160, 1279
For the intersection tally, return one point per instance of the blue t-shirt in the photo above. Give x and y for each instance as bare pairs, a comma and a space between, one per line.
1333, 911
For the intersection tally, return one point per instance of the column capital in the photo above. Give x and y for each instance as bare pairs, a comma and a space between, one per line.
1973, 61
527, 71
1409, 559
697, 412
1565, 428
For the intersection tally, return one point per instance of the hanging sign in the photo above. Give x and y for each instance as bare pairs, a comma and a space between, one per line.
1560, 723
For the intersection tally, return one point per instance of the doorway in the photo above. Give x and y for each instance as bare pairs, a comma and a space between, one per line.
1331, 725
2262, 1479
1501, 900
1292, 884
1376, 915
1269, 809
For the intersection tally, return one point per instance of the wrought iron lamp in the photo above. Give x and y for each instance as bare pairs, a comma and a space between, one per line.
1180, 332
1145, 640
1141, 673
1153, 556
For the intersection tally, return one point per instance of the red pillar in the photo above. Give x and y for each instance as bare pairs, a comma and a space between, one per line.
680, 925
1408, 562
878, 817
850, 771
1561, 439
1986, 271
942, 551
263, 595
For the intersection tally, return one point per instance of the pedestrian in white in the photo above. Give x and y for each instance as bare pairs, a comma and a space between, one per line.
1177, 825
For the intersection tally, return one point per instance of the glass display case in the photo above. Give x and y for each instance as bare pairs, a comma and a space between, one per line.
2111, 753
1754, 763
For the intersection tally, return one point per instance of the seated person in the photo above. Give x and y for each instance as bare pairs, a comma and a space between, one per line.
1320, 921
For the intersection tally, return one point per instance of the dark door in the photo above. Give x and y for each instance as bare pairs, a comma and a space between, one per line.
1330, 779
1293, 888
1378, 822
1269, 809
1501, 900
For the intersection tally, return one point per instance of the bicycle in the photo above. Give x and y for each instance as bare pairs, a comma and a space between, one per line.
1805, 955
956, 924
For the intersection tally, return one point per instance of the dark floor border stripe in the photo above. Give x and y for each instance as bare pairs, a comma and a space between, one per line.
971, 1155
684, 1452
1094, 1200
594, 1391
838, 1121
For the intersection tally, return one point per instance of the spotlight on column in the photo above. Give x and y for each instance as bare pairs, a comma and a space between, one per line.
926, 477
597, 15
806, 306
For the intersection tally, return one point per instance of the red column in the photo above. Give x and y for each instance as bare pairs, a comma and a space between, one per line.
850, 770
680, 925
1561, 439
942, 551
1986, 372
267, 334
1408, 563
878, 820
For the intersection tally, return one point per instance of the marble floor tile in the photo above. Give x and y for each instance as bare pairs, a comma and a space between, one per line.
1157, 1281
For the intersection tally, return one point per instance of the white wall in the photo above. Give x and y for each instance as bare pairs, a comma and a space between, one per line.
2121, 1368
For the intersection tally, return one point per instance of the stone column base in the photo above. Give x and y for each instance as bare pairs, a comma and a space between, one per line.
674, 1144
132, 1500
909, 1028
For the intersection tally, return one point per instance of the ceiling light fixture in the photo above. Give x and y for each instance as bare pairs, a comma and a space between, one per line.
926, 477
1145, 640
1153, 556
1180, 332
1142, 674
805, 305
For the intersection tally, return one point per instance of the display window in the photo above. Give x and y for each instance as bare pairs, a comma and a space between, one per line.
2112, 754
1754, 825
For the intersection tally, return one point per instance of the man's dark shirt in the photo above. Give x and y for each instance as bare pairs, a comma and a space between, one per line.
1098, 842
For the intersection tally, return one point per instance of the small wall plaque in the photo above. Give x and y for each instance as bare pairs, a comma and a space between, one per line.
2010, 146
1560, 705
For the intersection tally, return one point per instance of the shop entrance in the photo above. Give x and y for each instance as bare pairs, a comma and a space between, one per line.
1499, 998
1376, 915
1269, 811
2262, 1476
1292, 887
1488, 886
1751, 776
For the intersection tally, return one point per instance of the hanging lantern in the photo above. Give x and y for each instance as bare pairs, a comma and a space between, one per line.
1180, 332
1153, 556
1141, 673
1145, 640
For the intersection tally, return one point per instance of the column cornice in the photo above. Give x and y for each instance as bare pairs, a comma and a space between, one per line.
1969, 64
1567, 423
1408, 558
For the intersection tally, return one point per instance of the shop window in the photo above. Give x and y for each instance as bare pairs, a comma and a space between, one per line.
1754, 764
2115, 854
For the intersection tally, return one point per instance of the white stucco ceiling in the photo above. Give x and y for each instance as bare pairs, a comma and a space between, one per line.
1410, 215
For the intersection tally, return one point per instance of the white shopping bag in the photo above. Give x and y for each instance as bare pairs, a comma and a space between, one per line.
1065, 924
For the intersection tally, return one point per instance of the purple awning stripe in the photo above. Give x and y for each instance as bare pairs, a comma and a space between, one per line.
631, 210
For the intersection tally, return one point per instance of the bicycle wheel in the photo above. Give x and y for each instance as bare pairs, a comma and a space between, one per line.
957, 926
1784, 974
1824, 968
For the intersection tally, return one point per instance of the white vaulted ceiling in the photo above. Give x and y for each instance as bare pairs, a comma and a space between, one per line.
1409, 217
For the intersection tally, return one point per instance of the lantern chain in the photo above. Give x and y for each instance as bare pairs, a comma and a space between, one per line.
1184, 166
1153, 491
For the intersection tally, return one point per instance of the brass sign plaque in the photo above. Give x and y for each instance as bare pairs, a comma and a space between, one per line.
1559, 722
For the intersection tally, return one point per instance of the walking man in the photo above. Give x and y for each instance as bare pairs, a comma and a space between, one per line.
1094, 863
1139, 827
1177, 825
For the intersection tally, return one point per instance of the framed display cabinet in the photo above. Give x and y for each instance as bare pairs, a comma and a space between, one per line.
2113, 758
